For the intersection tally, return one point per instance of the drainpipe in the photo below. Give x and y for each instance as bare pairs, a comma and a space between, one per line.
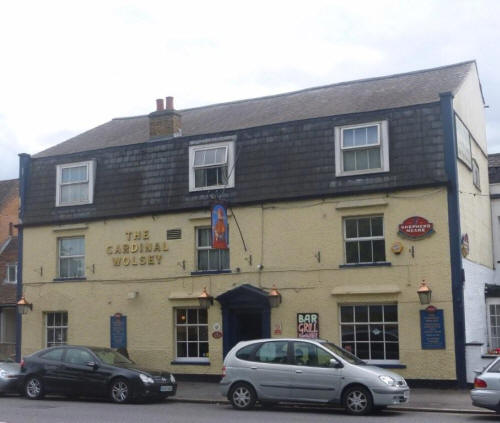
24, 167
457, 276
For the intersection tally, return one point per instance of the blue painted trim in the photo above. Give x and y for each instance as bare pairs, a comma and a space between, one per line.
209, 272
376, 264
69, 279
24, 170
450, 162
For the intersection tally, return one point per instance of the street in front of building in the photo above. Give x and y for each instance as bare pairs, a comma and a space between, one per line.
20, 410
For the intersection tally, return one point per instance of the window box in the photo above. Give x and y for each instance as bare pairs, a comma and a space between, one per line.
75, 183
362, 149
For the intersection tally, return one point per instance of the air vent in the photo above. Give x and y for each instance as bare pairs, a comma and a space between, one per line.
174, 234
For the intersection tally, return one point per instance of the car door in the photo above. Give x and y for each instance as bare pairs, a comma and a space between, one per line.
50, 366
78, 372
313, 376
270, 372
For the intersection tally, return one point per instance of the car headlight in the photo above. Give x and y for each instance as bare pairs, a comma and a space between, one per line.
146, 379
388, 380
4, 374
172, 378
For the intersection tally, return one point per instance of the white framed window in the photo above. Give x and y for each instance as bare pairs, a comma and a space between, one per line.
208, 258
370, 331
464, 151
493, 306
476, 175
211, 166
364, 239
56, 328
191, 334
71, 257
75, 183
11, 273
361, 149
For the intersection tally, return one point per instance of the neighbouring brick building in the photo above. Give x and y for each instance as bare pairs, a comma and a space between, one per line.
344, 197
9, 209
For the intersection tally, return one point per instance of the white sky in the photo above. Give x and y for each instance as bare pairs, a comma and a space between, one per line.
68, 66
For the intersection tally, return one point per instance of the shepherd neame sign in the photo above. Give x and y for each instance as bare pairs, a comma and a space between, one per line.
138, 250
416, 227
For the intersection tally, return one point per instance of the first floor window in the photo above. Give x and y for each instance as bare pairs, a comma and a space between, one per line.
364, 239
494, 323
72, 257
56, 325
475, 175
370, 332
210, 259
191, 334
11, 273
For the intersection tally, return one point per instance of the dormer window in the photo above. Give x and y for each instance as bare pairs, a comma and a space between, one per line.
75, 184
361, 149
211, 166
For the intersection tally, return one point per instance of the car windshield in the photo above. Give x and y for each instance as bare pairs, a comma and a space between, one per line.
346, 355
5, 358
109, 356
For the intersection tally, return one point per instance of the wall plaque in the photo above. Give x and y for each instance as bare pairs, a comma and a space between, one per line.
432, 329
307, 325
416, 227
118, 331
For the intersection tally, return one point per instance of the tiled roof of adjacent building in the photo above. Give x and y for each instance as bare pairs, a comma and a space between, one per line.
494, 168
8, 188
388, 92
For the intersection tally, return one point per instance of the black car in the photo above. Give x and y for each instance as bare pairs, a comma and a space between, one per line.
91, 371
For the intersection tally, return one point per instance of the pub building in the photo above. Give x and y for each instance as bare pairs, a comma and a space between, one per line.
333, 212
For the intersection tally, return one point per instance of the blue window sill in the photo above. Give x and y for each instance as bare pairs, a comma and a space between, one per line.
390, 366
379, 263
69, 279
210, 272
190, 363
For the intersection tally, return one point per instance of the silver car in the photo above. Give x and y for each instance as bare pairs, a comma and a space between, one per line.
9, 374
486, 392
302, 370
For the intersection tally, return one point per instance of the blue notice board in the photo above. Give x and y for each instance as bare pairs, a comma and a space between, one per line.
118, 328
432, 329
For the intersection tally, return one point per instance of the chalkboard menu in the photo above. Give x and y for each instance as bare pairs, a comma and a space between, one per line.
432, 329
307, 325
118, 328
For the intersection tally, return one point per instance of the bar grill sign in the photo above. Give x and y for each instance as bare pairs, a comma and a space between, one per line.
416, 227
308, 325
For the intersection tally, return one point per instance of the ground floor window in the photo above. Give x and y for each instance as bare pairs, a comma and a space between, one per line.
370, 331
56, 328
191, 334
8, 325
494, 324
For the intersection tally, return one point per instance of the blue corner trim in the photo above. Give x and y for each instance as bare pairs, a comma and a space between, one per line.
450, 162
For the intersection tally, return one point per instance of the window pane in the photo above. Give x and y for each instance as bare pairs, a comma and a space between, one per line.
193, 333
391, 333
392, 351
379, 250
376, 313
272, 352
376, 333
181, 316
50, 319
361, 332
346, 314
74, 174
377, 350
362, 350
359, 136
362, 160
203, 333
377, 226
224, 256
192, 349
199, 178
374, 158
181, 349
204, 236
203, 349
361, 313
365, 252
199, 157
202, 316
351, 252
211, 176
348, 138
349, 160
351, 228
71, 247
347, 333
181, 333
390, 313
220, 155
372, 135
192, 316
364, 227
213, 260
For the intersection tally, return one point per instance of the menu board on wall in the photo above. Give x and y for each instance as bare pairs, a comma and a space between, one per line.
432, 329
308, 325
118, 331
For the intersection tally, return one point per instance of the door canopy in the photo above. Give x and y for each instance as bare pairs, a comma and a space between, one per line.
244, 296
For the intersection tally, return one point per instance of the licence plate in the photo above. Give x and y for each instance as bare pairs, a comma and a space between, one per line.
406, 394
166, 388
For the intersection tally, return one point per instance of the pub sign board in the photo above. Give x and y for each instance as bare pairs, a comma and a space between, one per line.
308, 325
118, 331
416, 227
432, 329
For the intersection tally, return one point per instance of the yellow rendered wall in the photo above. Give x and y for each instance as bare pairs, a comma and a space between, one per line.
284, 238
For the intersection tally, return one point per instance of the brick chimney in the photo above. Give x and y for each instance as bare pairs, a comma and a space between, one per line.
165, 122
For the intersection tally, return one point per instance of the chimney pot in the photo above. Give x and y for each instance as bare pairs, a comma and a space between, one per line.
170, 103
159, 105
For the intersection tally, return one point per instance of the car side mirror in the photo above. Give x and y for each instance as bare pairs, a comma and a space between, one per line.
92, 364
336, 364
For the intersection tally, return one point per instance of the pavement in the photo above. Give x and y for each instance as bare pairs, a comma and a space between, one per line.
421, 399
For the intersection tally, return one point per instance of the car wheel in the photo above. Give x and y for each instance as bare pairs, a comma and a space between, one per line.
242, 396
119, 391
34, 388
357, 400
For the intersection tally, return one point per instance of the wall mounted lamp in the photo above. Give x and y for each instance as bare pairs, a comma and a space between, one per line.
24, 306
424, 293
274, 297
205, 299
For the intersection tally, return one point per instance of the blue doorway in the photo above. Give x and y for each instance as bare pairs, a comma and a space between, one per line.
245, 315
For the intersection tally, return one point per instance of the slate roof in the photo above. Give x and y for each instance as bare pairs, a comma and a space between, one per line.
7, 189
388, 92
494, 168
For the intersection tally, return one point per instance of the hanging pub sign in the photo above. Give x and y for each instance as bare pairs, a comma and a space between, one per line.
118, 331
465, 245
308, 325
416, 227
220, 234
